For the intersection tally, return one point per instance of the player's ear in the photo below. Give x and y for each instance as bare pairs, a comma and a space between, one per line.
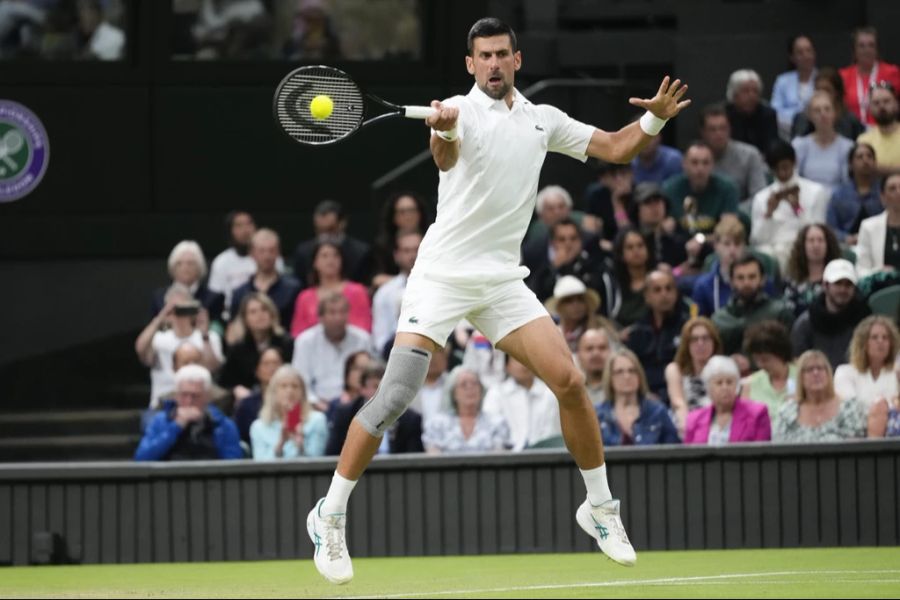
517, 57
470, 65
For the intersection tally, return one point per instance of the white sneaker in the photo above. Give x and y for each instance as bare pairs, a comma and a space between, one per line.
327, 533
604, 525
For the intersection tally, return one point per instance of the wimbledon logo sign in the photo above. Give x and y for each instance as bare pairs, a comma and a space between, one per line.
24, 151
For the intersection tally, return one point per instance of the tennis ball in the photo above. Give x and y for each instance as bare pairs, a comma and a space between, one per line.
321, 107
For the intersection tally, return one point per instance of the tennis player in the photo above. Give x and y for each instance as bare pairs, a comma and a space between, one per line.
489, 146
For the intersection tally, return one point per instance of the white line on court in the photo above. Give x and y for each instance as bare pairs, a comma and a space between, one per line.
625, 582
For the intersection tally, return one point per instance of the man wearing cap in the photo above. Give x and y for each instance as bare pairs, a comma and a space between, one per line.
666, 240
575, 306
833, 315
655, 338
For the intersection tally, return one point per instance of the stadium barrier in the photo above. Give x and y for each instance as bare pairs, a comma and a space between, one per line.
674, 497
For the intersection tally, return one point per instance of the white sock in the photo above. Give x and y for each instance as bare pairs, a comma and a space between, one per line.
596, 484
338, 495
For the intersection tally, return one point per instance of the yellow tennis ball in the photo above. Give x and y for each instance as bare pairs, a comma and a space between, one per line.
321, 107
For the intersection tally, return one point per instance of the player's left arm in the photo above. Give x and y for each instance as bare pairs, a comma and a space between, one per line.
623, 145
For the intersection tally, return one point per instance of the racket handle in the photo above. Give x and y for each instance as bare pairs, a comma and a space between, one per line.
418, 112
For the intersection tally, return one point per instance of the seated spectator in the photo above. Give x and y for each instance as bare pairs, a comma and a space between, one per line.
768, 345
632, 263
260, 322
884, 136
833, 315
858, 198
629, 417
749, 304
712, 290
529, 408
479, 355
654, 338
822, 155
321, 351
884, 415
326, 276
189, 354
313, 37
699, 341
793, 89
728, 418
878, 248
781, 209
818, 415
234, 265
607, 200
187, 268
736, 161
846, 123
666, 239
404, 436
553, 204
189, 428
329, 221
287, 426
865, 70
181, 320
387, 300
98, 39
752, 120
700, 197
592, 354
248, 409
571, 259
265, 249
404, 213
656, 162
814, 247
235, 29
354, 367
430, 399
869, 376
467, 428
575, 307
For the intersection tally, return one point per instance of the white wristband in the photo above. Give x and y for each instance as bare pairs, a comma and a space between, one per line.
447, 136
651, 124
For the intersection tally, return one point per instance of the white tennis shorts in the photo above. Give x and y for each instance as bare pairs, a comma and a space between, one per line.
434, 308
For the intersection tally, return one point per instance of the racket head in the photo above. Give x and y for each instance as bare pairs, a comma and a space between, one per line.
296, 91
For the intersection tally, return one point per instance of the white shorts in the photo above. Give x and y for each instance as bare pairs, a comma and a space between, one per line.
434, 308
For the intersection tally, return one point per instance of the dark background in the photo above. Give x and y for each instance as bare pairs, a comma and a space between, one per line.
150, 151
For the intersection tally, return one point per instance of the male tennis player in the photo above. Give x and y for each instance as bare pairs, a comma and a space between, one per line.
489, 146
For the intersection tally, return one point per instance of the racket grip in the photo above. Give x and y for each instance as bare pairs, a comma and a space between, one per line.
418, 112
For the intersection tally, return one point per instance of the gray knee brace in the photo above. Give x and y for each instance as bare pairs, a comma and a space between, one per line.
403, 377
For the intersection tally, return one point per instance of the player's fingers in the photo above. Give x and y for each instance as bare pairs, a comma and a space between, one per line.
663, 86
684, 104
681, 91
639, 102
673, 89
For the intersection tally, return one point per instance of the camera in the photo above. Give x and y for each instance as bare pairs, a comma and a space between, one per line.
187, 309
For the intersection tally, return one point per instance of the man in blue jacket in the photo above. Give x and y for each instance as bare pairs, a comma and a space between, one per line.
189, 428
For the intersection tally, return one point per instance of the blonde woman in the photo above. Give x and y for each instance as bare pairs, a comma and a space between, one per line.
869, 376
699, 342
818, 415
187, 268
277, 433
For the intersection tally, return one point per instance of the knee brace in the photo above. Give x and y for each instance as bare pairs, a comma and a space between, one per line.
403, 378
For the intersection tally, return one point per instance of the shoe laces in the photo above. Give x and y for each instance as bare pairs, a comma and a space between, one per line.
334, 536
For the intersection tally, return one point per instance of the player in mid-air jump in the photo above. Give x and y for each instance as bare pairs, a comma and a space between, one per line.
489, 146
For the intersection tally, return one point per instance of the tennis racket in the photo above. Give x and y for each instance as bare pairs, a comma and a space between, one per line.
297, 90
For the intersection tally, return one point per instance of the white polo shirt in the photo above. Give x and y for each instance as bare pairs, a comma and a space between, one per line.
532, 414
486, 200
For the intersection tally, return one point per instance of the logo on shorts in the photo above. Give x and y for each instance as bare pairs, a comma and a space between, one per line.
413, 320
24, 151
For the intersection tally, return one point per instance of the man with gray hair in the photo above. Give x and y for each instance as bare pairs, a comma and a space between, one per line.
752, 120
188, 427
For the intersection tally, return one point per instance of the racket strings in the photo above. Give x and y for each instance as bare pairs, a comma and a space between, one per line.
295, 95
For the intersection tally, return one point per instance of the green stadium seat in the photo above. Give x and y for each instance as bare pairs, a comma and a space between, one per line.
884, 302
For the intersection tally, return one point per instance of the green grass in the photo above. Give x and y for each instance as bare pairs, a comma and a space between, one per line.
832, 573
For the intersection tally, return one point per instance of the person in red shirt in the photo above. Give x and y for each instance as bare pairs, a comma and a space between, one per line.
866, 71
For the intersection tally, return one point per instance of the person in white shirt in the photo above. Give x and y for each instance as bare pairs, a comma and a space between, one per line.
321, 352
869, 376
104, 40
526, 404
489, 146
781, 209
387, 300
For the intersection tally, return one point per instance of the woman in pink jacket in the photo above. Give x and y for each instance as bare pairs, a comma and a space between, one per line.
327, 275
729, 418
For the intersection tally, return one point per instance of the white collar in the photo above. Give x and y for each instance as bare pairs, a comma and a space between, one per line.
482, 99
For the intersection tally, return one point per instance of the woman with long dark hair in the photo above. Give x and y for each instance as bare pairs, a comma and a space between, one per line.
404, 212
632, 262
815, 246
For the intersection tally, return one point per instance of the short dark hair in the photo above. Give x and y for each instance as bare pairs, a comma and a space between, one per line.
330, 206
884, 180
747, 259
712, 110
769, 337
566, 222
779, 151
853, 150
698, 144
489, 27
375, 369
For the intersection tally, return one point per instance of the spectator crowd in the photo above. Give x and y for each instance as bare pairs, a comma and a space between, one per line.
742, 289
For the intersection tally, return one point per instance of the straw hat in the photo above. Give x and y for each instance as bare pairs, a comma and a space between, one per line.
569, 285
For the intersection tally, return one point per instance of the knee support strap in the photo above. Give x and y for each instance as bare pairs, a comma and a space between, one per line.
403, 378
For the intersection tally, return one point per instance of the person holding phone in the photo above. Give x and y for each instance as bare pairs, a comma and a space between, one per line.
287, 426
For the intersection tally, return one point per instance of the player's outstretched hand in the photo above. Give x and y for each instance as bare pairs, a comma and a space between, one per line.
444, 119
668, 100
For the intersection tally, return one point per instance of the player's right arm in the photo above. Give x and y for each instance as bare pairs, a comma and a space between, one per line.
444, 141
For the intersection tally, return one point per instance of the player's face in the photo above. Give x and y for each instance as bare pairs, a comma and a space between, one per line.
494, 65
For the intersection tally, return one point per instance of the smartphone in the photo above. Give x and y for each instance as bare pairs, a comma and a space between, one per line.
188, 309
292, 419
